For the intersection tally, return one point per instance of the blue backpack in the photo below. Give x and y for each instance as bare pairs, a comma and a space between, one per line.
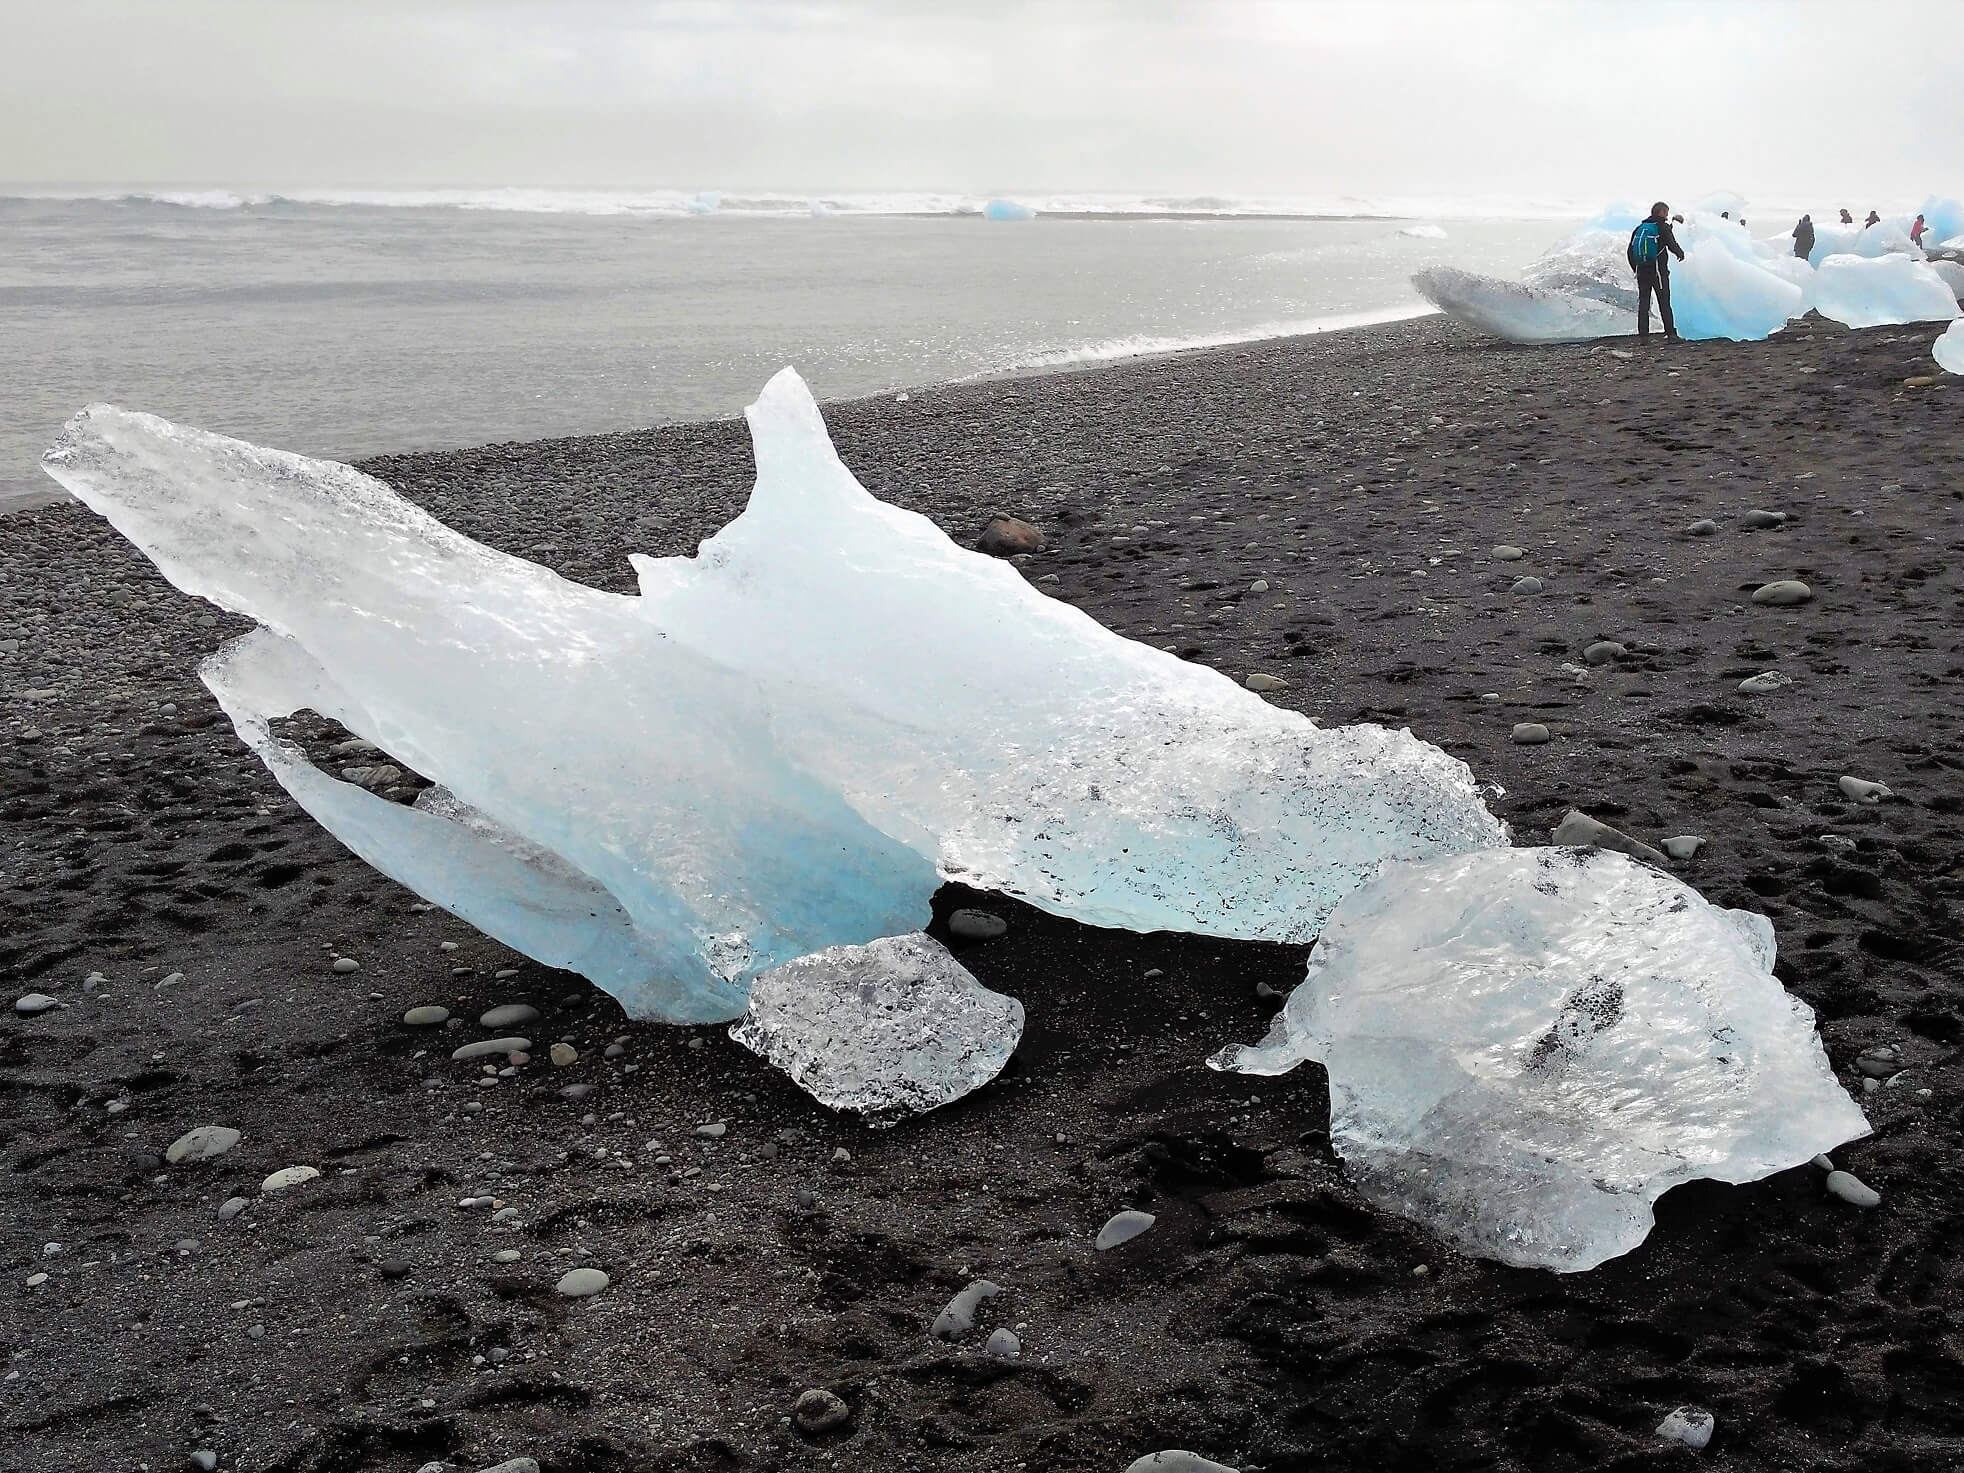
1646, 243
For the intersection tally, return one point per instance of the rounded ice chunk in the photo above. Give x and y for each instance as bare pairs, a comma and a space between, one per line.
1123, 1227
895, 1027
959, 1317
1527, 1047
1949, 349
1862, 291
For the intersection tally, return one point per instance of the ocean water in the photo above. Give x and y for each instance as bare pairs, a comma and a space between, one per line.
361, 324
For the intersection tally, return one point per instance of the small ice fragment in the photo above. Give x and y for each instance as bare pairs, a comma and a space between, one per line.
1688, 1425
1864, 791
959, 1317
895, 1027
288, 1176
1949, 349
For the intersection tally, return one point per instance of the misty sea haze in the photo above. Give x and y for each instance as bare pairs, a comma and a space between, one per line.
345, 328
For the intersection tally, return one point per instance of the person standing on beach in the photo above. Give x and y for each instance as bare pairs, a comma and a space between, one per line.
1846, 218
1873, 219
1649, 243
1804, 237
1916, 230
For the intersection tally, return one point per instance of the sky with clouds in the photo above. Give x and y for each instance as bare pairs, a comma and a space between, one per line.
1782, 98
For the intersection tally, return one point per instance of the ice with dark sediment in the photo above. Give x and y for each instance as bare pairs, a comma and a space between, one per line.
783, 745
1527, 1047
895, 1027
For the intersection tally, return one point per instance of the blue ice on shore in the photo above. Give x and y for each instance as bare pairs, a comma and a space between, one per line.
1008, 209
783, 745
1730, 283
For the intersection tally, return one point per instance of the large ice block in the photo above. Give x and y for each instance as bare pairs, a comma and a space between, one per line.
1527, 1047
1863, 291
1948, 350
782, 746
1520, 313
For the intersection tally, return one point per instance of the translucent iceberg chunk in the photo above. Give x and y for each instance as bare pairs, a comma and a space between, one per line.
1518, 313
1024, 746
1949, 349
781, 747
892, 1028
1008, 209
1860, 291
1723, 288
1527, 1047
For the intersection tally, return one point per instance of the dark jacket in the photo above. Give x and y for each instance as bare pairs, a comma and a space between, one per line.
1668, 247
1804, 238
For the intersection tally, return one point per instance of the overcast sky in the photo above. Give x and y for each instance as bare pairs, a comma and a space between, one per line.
1788, 98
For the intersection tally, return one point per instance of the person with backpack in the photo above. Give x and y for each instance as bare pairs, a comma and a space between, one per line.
1648, 244
1804, 237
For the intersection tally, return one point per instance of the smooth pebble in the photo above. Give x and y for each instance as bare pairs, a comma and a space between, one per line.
1529, 734
508, 1015
288, 1176
201, 1144
1123, 1227
581, 1283
1691, 1426
1852, 1189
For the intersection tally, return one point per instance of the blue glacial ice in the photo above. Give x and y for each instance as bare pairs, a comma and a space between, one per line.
783, 745
1527, 1047
1862, 291
1008, 209
1518, 312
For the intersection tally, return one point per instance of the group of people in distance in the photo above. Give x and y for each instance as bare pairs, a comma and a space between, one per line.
1804, 231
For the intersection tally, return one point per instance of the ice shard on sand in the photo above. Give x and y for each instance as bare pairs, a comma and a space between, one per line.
1527, 1047
783, 745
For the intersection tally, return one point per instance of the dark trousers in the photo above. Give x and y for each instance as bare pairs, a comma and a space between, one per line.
1653, 279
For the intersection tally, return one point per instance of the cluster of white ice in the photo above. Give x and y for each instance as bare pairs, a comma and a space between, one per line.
1949, 349
1527, 1047
1730, 283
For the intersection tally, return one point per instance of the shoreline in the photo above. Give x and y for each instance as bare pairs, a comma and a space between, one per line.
1271, 1319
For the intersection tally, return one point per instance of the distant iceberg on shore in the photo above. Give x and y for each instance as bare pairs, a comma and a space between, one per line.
1730, 284
1008, 209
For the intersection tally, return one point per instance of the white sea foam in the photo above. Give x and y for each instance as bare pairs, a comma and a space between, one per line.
805, 203
1149, 345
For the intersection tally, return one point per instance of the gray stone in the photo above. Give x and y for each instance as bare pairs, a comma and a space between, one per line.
1526, 586
715, 1130
1577, 830
1123, 1227
488, 1047
288, 1176
1683, 846
1691, 1426
1765, 682
1864, 791
204, 1459
1262, 684
508, 1015
346, 964
959, 1317
1759, 520
818, 1411
1507, 554
581, 1283
1529, 733
976, 925
427, 1016
34, 1002
1177, 1460
201, 1144
1703, 527
516, 1465
1003, 1344
231, 1207
1603, 651
1783, 591
1852, 1189
563, 1055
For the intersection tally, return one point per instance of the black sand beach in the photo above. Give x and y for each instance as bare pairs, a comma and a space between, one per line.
1271, 1319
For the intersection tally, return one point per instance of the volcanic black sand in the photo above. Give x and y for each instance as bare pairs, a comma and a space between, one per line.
1271, 1319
